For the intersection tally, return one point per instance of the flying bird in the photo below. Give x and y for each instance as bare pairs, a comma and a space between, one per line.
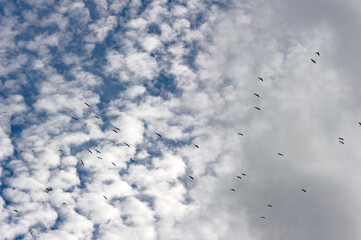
99, 158
49, 189
131, 160
269, 205
313, 61
303, 190
233, 190
15, 210
114, 130
191, 177
60, 150
318, 53
114, 164
126, 144
280, 154
256, 94
341, 138
74, 118
89, 150
341, 142
87, 104
257, 108
158, 135
117, 128
96, 116
196, 145
240, 134
239, 177
82, 162
243, 174
105, 197
260, 79
97, 151
64, 203
359, 123
263, 217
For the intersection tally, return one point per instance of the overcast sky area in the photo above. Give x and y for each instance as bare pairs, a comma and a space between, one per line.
187, 70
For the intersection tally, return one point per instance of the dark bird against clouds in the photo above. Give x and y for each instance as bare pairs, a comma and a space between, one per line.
240, 134
89, 150
340, 138
97, 151
105, 197
86, 104
239, 177
74, 118
263, 217
126, 144
243, 174
341, 142
15, 210
132, 160
318, 53
158, 135
117, 128
233, 190
191, 177
280, 154
257, 108
49, 189
114, 130
269, 205
96, 116
196, 145
82, 162
261, 79
114, 164
303, 190
99, 158
256, 94
313, 61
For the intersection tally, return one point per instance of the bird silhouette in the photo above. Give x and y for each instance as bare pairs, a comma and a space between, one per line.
313, 61
15, 210
49, 189
263, 217
341, 142
196, 145
89, 150
97, 151
233, 190
240, 134
257, 108
239, 177
318, 53
243, 174
99, 158
158, 135
96, 116
280, 154
261, 79
126, 144
74, 118
117, 128
82, 162
132, 160
114, 130
303, 190
191, 177
105, 197
269, 205
256, 94
114, 164
340, 138
87, 104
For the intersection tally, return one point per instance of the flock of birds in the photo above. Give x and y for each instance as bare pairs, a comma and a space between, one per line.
116, 130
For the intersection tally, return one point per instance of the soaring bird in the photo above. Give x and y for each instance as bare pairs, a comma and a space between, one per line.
263, 217
89, 150
318, 53
158, 135
303, 190
239, 177
196, 145
15, 210
256, 94
105, 197
280, 154
60, 150
269, 205
64, 203
126, 144
131, 160
359, 123
96, 116
49, 189
82, 162
233, 190
240, 134
87, 104
260, 79
114, 130
191, 177
341, 142
114, 164
243, 174
313, 61
117, 128
97, 151
340, 138
99, 158
74, 118
257, 108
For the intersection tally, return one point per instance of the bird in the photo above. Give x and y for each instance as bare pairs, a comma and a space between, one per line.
126, 144
131, 160
33, 150
260, 79
96, 116
263, 217
239, 177
117, 128
105, 197
97, 151
280, 154
341, 142
303, 190
191, 177
60, 150
359, 123
313, 61
269, 205
74, 118
49, 189
114, 164
99, 158
158, 135
15, 210
240, 134
256, 94
89, 150
243, 174
82, 162
114, 130
87, 104
318, 53
233, 190
341, 138
196, 145
257, 108
64, 203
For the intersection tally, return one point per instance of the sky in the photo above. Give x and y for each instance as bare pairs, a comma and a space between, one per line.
81, 80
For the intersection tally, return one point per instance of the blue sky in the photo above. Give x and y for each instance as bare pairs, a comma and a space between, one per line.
187, 70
